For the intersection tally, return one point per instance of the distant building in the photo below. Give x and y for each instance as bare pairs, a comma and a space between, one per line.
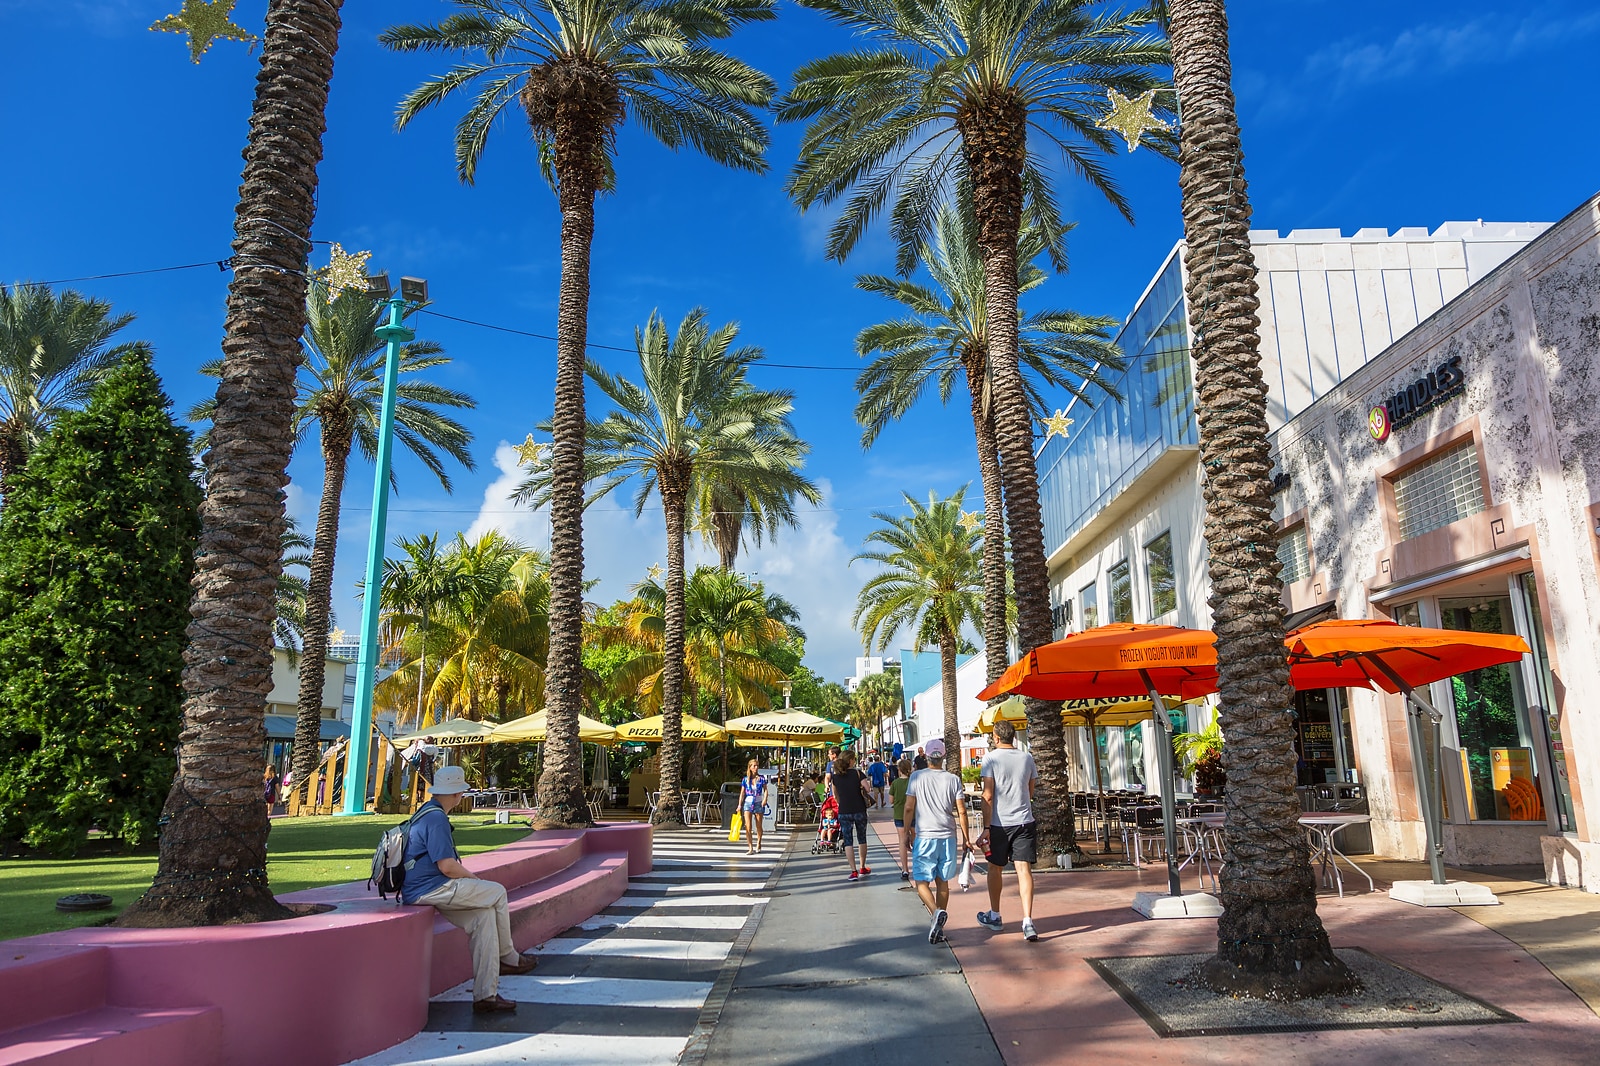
283, 702
867, 665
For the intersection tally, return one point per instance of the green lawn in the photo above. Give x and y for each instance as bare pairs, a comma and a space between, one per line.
301, 853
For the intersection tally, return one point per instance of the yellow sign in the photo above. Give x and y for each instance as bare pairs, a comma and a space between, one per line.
1508, 764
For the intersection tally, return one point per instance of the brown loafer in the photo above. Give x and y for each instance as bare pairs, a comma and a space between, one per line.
492, 1005
527, 965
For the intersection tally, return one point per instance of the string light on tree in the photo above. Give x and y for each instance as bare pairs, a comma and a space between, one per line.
204, 21
1056, 425
345, 272
1131, 117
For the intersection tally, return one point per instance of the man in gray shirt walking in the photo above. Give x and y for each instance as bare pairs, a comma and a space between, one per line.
1010, 834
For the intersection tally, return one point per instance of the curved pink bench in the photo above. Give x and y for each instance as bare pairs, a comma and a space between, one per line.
319, 990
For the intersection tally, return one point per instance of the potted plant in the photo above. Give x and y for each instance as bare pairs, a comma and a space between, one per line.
1201, 755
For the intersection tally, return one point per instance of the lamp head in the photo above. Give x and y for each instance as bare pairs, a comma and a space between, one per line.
414, 290
378, 286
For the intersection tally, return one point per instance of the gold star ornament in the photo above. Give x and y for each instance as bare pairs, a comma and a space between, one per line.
346, 271
970, 520
204, 21
1131, 118
653, 571
532, 452
1056, 425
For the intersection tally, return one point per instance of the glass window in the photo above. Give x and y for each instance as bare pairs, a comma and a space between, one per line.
1442, 490
1491, 721
1089, 606
1546, 704
1294, 555
1122, 592
1407, 614
1133, 755
1162, 574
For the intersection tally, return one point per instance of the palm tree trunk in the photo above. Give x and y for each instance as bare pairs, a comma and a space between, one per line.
561, 798
422, 666
13, 454
947, 684
994, 142
319, 599
1270, 941
669, 809
214, 842
995, 652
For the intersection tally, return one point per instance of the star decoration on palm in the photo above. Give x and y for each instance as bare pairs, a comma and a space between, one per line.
1056, 425
204, 21
345, 272
970, 520
654, 572
1131, 117
532, 452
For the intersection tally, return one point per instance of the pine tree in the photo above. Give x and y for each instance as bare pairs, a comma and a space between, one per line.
97, 548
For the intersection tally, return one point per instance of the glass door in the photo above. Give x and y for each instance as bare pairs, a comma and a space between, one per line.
1550, 753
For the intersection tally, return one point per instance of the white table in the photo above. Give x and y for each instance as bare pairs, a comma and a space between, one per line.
1322, 828
1207, 829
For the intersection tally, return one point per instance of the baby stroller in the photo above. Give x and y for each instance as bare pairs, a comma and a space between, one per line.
827, 828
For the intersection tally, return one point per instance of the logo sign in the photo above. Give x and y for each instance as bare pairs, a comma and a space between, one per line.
1416, 399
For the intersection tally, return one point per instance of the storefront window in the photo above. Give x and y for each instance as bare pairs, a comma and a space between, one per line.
1491, 721
1544, 703
1089, 606
1322, 737
1121, 592
1294, 555
1163, 576
1442, 490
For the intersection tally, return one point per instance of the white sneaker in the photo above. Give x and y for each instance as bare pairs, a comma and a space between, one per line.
936, 930
1028, 931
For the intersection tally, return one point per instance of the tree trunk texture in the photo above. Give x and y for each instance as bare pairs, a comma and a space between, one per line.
561, 799
669, 808
995, 652
947, 685
728, 529
213, 862
994, 143
13, 456
336, 436
1270, 941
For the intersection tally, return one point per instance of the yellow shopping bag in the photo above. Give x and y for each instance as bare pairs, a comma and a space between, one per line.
734, 827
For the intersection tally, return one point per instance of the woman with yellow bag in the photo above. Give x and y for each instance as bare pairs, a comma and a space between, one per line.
752, 805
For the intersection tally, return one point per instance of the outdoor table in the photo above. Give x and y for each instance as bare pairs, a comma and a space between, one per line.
1206, 828
1322, 828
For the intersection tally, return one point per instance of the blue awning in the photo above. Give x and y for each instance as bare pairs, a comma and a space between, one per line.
281, 727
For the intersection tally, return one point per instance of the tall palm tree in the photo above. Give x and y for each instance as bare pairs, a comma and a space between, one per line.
289, 617
214, 837
930, 585
1270, 941
693, 421
53, 349
340, 395
577, 70
414, 589
878, 695
946, 334
951, 96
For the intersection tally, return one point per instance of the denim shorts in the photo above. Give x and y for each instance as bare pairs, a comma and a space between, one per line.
846, 821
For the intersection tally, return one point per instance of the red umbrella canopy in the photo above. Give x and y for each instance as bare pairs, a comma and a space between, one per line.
1344, 652
1109, 660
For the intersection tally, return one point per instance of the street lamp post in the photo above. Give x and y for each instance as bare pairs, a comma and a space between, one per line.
393, 333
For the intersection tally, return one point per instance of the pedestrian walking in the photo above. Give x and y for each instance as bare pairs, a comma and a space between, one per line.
1010, 835
878, 774
753, 805
919, 761
436, 878
850, 791
269, 788
897, 798
938, 834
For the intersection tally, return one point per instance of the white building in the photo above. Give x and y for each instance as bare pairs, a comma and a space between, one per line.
925, 716
865, 665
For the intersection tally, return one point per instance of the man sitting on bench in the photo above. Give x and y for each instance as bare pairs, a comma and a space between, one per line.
436, 878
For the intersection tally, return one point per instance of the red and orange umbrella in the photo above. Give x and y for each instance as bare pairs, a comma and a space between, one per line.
1121, 659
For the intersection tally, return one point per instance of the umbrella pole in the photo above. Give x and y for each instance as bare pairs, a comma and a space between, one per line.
1099, 779
1169, 814
1425, 761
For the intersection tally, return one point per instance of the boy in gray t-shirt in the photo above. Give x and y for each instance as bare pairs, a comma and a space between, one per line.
1010, 834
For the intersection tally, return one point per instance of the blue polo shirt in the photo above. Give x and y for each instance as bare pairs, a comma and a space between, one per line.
429, 841
879, 774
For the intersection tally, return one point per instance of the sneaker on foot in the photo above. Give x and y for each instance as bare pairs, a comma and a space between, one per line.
854, 876
990, 920
936, 930
1028, 931
905, 875
865, 870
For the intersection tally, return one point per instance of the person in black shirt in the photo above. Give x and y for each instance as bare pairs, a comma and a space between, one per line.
850, 790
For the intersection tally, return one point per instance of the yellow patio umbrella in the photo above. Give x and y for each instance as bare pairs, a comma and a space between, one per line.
776, 727
1113, 712
532, 727
451, 732
694, 729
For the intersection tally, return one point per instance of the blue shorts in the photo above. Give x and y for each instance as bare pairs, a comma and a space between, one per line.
858, 822
935, 859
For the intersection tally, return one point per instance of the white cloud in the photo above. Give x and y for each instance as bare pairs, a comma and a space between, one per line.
808, 565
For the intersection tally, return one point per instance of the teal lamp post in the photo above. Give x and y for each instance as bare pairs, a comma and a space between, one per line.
393, 333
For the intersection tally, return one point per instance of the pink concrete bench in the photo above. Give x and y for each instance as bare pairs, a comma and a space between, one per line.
318, 990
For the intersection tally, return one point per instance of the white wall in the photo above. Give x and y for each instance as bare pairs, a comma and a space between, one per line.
285, 695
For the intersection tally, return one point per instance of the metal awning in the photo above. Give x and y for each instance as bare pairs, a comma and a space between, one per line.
1309, 615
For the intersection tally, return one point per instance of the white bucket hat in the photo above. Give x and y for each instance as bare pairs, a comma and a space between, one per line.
449, 781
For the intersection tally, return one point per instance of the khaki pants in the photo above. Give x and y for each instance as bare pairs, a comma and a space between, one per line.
479, 907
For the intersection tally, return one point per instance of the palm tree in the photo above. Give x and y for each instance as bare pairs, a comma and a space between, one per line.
340, 394
414, 589
694, 421
946, 334
53, 349
931, 586
951, 97
878, 695
577, 70
289, 617
214, 837
1270, 941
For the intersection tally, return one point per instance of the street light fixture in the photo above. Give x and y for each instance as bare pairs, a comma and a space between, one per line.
393, 333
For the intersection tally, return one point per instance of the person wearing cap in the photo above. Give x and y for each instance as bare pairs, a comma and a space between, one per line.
935, 817
435, 878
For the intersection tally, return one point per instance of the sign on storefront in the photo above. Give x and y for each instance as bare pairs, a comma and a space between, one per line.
1410, 403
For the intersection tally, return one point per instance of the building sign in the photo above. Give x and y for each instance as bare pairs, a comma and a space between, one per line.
1410, 403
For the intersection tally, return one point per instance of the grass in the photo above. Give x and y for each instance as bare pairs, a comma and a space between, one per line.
301, 853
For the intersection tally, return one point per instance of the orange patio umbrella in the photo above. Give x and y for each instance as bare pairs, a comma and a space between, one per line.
1396, 658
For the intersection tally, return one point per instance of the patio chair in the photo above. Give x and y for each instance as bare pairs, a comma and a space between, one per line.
1143, 825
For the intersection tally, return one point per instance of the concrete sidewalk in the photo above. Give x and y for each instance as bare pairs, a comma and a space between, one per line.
841, 971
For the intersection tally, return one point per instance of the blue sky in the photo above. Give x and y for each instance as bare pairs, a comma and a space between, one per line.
121, 155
